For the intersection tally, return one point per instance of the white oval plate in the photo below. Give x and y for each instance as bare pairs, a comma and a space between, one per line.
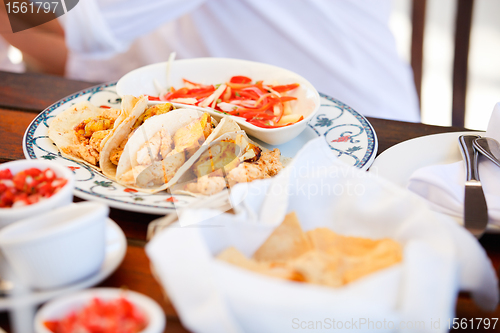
399, 162
116, 247
347, 132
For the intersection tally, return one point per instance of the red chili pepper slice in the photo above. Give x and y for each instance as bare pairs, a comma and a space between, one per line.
177, 94
287, 98
101, 317
285, 87
240, 79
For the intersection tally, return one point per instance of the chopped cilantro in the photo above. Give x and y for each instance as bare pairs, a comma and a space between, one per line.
237, 94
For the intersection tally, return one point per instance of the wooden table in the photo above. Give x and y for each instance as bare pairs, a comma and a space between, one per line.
23, 96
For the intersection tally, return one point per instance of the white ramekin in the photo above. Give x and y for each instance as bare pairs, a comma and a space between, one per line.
63, 197
57, 248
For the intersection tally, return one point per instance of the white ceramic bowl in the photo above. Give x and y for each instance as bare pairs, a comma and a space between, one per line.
57, 248
219, 70
62, 306
63, 197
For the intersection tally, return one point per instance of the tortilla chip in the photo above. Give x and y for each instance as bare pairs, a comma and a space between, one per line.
235, 257
384, 253
319, 268
360, 256
287, 241
319, 256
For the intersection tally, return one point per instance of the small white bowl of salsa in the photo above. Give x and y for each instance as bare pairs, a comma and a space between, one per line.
108, 306
32, 187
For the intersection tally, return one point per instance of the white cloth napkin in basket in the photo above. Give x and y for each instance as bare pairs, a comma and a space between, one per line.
443, 185
440, 257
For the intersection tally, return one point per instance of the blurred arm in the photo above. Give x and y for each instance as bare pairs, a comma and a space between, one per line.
102, 28
43, 47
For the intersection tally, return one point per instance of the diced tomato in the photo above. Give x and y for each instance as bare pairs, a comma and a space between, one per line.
240, 79
29, 186
34, 198
5, 174
153, 98
19, 181
7, 198
23, 197
49, 175
45, 189
115, 316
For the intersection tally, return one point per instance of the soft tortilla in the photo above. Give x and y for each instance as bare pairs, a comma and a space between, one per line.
226, 127
171, 122
132, 108
61, 130
183, 176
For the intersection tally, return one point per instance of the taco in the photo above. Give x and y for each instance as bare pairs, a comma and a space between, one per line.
136, 112
81, 131
232, 158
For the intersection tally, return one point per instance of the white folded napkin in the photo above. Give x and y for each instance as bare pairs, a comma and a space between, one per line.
440, 257
443, 185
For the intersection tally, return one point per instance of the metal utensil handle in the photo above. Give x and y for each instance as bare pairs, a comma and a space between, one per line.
469, 154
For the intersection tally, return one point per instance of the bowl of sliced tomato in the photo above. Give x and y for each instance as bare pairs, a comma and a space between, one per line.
270, 103
101, 310
32, 187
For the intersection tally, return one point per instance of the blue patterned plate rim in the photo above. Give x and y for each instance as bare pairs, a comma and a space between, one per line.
363, 163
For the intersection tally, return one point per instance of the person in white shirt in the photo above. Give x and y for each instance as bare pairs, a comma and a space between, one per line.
343, 47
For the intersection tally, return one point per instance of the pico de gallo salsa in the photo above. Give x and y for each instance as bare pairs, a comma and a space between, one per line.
28, 186
262, 105
114, 316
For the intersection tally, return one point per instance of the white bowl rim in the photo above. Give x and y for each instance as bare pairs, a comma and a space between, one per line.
153, 311
32, 163
316, 98
77, 222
